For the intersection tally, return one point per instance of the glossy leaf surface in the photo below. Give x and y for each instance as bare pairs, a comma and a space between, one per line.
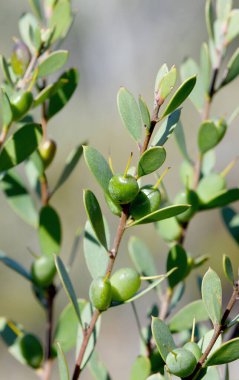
151, 160
50, 234
226, 353
177, 258
162, 337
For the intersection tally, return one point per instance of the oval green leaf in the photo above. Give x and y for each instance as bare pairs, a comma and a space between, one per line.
98, 166
62, 364
95, 217
163, 213
180, 95
226, 353
129, 113
14, 265
141, 257
232, 68
67, 285
141, 368
20, 146
49, 231
224, 198
208, 136
144, 112
162, 337
52, 63
166, 128
183, 319
228, 269
212, 296
177, 258
151, 160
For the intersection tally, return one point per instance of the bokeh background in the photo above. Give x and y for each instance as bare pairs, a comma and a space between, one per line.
114, 43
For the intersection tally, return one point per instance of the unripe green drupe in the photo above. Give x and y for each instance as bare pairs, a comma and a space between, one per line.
147, 200
100, 293
43, 271
125, 283
181, 362
31, 349
194, 348
47, 151
21, 104
123, 188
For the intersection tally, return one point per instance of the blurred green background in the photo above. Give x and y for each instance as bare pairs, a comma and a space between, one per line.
114, 43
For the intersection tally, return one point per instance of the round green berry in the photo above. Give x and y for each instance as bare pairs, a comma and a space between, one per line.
43, 271
194, 349
147, 200
125, 283
123, 188
47, 151
21, 104
31, 349
100, 293
188, 197
181, 362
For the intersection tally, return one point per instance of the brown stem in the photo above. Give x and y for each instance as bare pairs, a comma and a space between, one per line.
44, 190
154, 120
218, 329
112, 256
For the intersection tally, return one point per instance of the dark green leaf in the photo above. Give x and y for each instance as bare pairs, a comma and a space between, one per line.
228, 269
95, 254
7, 114
95, 216
141, 368
68, 287
98, 166
162, 337
141, 257
70, 164
223, 199
166, 128
61, 19
5, 70
151, 160
212, 295
163, 213
144, 111
48, 92
49, 231
167, 84
86, 318
231, 220
19, 198
97, 368
232, 69
129, 113
14, 265
67, 326
180, 95
64, 93
183, 319
20, 146
52, 63
226, 353
177, 258
62, 364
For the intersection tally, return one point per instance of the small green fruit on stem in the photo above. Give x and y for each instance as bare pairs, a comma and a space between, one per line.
125, 283
147, 200
47, 151
21, 103
181, 362
43, 271
123, 188
100, 293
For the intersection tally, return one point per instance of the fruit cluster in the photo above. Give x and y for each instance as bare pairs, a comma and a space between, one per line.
119, 288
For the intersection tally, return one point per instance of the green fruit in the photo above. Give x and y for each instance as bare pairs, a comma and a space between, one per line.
194, 349
210, 186
31, 349
123, 189
100, 293
21, 103
189, 197
43, 271
147, 200
47, 151
181, 362
115, 208
125, 283
20, 58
